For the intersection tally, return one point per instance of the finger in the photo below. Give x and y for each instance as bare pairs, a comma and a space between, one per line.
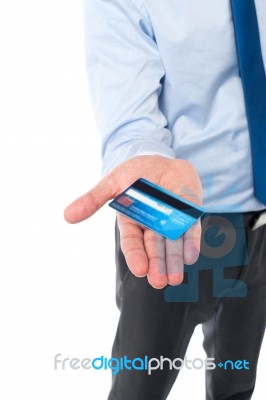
92, 201
132, 245
155, 249
192, 240
174, 261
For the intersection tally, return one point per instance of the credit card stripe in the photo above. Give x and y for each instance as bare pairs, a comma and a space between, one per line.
148, 201
166, 198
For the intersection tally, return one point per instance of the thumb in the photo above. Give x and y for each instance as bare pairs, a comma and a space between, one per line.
86, 205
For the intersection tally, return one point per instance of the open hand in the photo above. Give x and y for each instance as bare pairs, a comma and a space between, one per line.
147, 253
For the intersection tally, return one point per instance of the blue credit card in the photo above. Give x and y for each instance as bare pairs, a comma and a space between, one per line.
157, 209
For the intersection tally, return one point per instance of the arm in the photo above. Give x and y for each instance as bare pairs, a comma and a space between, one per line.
125, 73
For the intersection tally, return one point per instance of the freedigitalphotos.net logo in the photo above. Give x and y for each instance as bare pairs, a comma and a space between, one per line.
145, 364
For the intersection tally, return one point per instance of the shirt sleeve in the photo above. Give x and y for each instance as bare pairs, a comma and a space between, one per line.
125, 74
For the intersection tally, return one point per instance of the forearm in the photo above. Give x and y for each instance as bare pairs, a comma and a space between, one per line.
125, 72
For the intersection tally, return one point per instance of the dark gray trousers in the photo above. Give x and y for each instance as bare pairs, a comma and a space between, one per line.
225, 291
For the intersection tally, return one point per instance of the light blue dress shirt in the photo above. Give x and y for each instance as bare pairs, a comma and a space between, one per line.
164, 80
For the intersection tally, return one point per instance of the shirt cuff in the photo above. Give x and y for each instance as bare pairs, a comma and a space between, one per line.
127, 150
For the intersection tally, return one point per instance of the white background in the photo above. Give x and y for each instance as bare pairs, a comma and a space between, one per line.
57, 280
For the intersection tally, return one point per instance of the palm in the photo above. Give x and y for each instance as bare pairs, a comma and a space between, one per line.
147, 253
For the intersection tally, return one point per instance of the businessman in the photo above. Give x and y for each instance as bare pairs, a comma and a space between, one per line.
179, 91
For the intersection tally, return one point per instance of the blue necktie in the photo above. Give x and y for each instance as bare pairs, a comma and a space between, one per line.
253, 78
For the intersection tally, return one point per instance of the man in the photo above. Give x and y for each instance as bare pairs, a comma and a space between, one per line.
180, 99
